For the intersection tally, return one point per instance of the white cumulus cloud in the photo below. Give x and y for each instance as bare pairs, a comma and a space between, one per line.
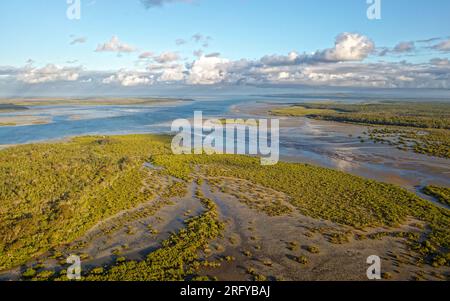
49, 73
129, 78
176, 73
207, 71
115, 45
348, 47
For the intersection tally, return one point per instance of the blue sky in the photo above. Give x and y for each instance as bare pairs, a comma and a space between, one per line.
40, 31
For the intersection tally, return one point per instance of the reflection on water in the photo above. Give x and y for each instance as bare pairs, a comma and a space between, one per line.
88, 120
337, 146
326, 144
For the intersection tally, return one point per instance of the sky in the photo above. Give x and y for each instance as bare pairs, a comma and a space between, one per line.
123, 45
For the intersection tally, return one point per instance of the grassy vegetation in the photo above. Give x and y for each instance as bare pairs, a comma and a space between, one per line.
254, 197
177, 189
440, 193
338, 238
313, 249
177, 259
332, 195
315, 191
421, 127
225, 121
298, 111
411, 114
434, 142
52, 194
302, 259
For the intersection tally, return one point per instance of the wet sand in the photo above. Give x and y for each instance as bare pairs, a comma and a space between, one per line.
31, 102
337, 146
256, 243
23, 120
271, 245
263, 243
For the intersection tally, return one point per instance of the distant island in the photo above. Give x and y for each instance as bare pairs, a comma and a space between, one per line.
19, 104
6, 107
23, 102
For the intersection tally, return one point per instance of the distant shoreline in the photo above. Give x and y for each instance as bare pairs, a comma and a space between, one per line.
14, 103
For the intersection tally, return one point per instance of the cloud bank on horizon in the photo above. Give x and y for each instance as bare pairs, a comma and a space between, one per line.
340, 65
353, 60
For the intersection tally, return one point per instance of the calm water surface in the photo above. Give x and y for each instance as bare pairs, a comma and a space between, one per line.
326, 144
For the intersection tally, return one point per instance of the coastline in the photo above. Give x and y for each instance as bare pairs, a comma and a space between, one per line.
245, 206
370, 174
303, 142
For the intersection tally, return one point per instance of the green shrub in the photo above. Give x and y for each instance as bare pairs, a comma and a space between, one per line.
29, 273
313, 249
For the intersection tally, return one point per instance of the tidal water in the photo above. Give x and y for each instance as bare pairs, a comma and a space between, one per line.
69, 121
321, 143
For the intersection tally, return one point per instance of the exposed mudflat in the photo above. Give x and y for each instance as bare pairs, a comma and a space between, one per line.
337, 145
271, 245
265, 237
256, 242
23, 120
